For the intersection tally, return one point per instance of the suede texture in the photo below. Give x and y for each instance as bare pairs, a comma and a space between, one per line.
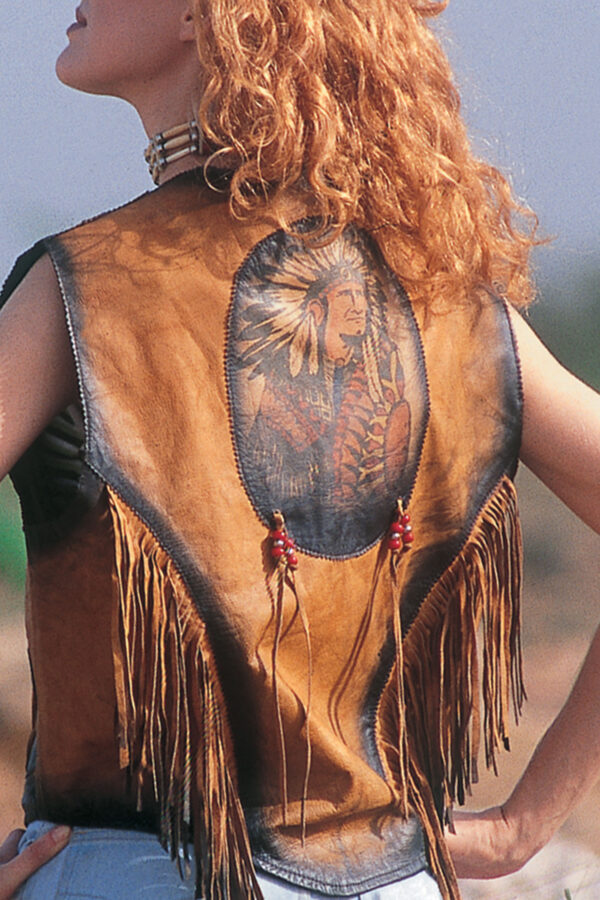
150, 291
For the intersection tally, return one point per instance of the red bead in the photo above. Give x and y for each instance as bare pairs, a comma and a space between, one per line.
288, 542
396, 527
278, 535
405, 519
394, 543
277, 552
408, 537
292, 560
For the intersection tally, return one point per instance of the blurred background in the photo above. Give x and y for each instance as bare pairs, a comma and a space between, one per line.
528, 75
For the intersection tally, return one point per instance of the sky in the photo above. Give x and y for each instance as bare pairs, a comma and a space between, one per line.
528, 74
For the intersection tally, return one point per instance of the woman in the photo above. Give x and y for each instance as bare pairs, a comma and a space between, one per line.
268, 498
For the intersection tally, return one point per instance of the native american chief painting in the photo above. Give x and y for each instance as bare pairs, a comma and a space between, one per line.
321, 418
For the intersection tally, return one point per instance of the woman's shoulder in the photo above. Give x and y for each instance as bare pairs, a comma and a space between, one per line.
40, 380
561, 426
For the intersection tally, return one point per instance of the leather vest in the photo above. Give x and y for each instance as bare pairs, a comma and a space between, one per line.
259, 562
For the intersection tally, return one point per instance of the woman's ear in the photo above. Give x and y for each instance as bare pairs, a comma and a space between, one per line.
187, 32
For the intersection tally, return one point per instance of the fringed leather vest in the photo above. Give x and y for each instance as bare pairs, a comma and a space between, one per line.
260, 562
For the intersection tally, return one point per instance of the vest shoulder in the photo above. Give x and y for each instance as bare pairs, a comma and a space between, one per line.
161, 208
142, 212
184, 218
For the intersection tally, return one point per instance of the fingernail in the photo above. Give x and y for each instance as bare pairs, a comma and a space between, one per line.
61, 834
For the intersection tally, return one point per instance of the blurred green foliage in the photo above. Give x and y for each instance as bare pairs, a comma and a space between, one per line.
567, 318
12, 544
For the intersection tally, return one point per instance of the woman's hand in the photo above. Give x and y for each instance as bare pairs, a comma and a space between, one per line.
14, 870
565, 765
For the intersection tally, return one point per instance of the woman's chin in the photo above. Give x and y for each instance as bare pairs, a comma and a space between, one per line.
74, 74
65, 69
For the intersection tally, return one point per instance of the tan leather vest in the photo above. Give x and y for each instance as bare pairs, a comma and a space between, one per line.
254, 592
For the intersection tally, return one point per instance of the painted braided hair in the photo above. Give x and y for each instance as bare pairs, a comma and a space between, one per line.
355, 101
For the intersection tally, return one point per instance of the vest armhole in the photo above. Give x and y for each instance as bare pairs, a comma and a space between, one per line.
54, 485
519, 384
20, 269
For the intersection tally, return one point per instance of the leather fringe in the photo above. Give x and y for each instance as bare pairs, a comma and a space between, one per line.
479, 593
402, 756
173, 737
281, 573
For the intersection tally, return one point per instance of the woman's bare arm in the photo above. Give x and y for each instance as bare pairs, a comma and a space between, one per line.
37, 372
561, 427
561, 444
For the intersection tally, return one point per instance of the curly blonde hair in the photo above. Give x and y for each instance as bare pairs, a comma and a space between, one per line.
355, 100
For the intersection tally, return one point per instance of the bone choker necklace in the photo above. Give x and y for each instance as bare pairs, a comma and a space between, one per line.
171, 145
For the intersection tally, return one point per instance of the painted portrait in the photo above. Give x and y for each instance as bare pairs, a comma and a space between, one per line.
327, 388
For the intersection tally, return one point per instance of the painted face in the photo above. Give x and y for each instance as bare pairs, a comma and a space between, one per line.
346, 318
116, 46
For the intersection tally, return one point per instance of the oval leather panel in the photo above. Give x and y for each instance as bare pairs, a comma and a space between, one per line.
327, 388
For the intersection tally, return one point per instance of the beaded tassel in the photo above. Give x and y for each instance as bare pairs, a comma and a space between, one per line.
283, 548
400, 534
284, 556
399, 540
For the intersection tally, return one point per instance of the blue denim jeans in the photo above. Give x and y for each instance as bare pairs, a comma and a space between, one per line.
110, 864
